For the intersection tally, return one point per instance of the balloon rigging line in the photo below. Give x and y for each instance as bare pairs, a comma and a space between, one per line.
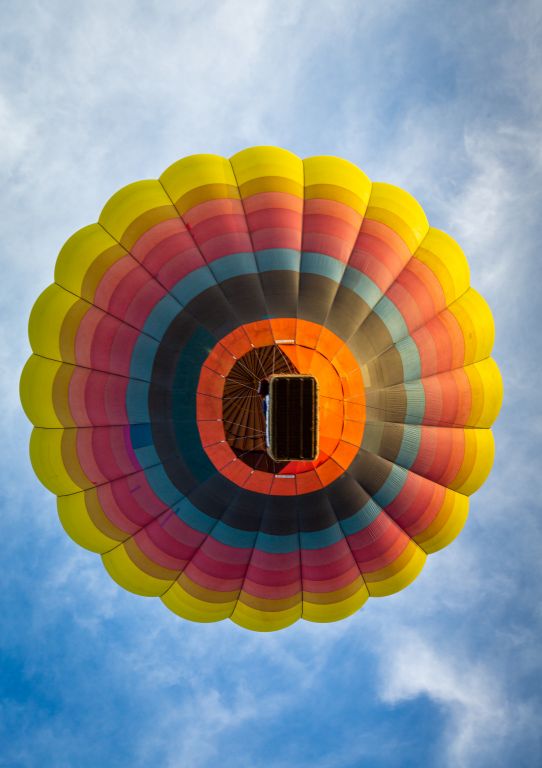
241, 397
239, 385
237, 424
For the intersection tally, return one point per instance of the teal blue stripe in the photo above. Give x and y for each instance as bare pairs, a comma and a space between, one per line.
193, 284
410, 357
140, 435
233, 266
278, 258
278, 545
192, 516
392, 318
361, 519
234, 537
266, 542
321, 539
162, 485
147, 456
392, 487
321, 264
142, 359
362, 285
410, 445
137, 401
415, 401
161, 317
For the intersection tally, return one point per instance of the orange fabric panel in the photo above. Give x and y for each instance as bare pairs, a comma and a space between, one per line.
283, 328
211, 432
220, 454
210, 383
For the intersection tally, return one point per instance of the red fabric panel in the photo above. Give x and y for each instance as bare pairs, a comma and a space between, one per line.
440, 454
379, 253
378, 545
274, 220
417, 504
168, 251
448, 398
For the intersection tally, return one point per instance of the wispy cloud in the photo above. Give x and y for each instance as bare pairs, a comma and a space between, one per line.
480, 717
441, 98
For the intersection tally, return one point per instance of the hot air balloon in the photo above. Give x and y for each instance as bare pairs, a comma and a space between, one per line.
261, 388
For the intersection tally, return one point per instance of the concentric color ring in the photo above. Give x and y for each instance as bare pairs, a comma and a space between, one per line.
150, 309
313, 350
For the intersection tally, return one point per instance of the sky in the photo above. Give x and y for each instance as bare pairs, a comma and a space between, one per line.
443, 99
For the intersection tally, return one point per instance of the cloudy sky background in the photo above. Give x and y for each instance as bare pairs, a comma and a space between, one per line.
443, 99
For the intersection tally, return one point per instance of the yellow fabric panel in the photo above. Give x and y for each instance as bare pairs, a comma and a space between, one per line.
84, 259
474, 316
447, 524
268, 169
125, 572
36, 391
206, 594
400, 211
181, 602
49, 450
82, 264
76, 521
47, 319
269, 604
336, 179
324, 612
60, 394
204, 194
271, 184
487, 392
399, 574
335, 596
265, 621
446, 260
146, 564
199, 178
477, 462
136, 208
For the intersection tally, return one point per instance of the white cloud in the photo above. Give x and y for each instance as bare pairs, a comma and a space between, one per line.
481, 719
15, 135
118, 91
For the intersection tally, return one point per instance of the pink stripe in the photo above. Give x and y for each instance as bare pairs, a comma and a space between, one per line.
213, 583
225, 244
327, 570
331, 584
448, 398
224, 207
157, 555
447, 350
172, 532
272, 591
129, 502
417, 504
217, 568
274, 203
379, 253
168, 252
266, 239
275, 218
440, 454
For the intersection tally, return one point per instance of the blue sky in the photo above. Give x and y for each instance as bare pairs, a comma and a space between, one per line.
444, 99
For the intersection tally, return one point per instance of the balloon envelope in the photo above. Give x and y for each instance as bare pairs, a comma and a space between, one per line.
153, 353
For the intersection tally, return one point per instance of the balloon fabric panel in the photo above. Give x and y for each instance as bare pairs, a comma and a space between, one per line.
144, 387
